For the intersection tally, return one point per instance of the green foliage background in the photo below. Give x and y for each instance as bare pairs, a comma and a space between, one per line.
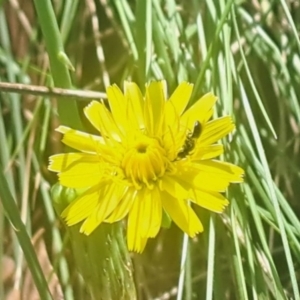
246, 52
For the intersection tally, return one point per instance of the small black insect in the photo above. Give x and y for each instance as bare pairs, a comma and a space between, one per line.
190, 141
197, 130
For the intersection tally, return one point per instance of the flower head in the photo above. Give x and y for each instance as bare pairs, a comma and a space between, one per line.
153, 155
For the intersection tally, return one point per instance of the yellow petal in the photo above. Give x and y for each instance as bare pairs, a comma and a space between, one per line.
182, 214
77, 170
192, 177
135, 239
146, 213
173, 187
215, 130
151, 212
102, 120
173, 137
80, 140
212, 201
65, 161
123, 207
91, 144
207, 152
135, 242
154, 106
80, 176
201, 111
209, 175
176, 105
93, 114
180, 97
109, 197
82, 207
119, 107
135, 103
91, 222
221, 170
209, 182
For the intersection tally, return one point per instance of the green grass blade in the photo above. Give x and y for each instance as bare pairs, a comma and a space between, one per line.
211, 259
144, 37
58, 60
12, 212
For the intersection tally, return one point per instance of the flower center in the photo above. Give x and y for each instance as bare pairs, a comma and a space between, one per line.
144, 161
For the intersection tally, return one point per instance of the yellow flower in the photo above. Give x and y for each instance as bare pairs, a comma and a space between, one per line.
153, 155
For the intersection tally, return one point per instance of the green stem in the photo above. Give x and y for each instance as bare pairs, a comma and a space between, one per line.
59, 62
12, 212
101, 258
106, 269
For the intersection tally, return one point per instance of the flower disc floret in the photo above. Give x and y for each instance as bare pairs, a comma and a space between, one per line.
144, 162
